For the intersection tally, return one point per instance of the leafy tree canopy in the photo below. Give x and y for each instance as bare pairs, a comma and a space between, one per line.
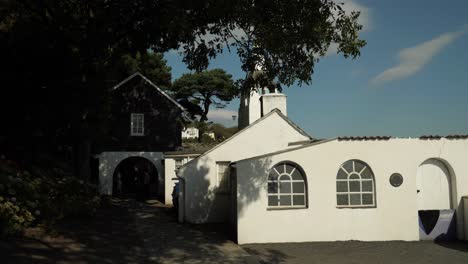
283, 39
152, 65
200, 90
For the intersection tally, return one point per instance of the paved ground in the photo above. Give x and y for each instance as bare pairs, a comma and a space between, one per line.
133, 232
360, 252
126, 232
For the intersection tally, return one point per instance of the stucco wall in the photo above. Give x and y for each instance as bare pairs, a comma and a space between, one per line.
170, 174
202, 202
108, 161
395, 216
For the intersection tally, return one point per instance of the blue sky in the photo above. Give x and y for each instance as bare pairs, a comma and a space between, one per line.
411, 78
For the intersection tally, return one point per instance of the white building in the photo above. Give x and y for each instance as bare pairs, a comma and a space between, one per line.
190, 133
350, 189
271, 182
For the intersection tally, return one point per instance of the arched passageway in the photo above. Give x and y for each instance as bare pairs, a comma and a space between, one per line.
435, 193
135, 177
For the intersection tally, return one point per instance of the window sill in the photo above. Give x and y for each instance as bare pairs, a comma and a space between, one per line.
356, 206
137, 135
285, 208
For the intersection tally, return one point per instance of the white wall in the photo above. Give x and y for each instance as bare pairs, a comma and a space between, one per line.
108, 161
202, 202
170, 174
395, 216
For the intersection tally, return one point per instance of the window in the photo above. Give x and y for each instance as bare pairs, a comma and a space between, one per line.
355, 185
137, 124
286, 186
223, 176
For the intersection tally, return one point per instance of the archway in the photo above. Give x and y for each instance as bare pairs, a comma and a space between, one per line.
135, 177
434, 186
435, 197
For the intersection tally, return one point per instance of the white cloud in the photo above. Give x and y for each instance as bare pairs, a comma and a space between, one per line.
412, 60
365, 19
223, 116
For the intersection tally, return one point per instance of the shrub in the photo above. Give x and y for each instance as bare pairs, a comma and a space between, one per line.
28, 198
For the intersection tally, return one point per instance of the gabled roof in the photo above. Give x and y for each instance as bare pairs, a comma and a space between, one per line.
277, 111
152, 84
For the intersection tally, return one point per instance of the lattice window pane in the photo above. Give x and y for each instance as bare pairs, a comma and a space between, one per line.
272, 187
367, 186
342, 199
342, 186
285, 200
298, 199
355, 199
355, 185
367, 199
298, 187
272, 200
285, 187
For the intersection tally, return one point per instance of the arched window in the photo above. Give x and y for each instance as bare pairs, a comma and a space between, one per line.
355, 185
286, 186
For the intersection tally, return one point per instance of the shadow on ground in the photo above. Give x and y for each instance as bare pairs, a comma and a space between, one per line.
360, 252
125, 232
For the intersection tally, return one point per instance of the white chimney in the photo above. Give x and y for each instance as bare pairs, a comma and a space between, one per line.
273, 100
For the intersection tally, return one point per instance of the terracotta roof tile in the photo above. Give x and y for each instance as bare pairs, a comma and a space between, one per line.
365, 138
436, 137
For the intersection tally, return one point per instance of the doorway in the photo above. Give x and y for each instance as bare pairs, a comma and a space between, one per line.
135, 177
434, 195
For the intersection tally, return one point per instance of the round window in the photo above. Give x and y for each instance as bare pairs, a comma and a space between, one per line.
396, 179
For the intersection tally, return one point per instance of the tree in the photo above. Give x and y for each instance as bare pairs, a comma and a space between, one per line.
197, 92
201, 90
222, 132
152, 65
282, 39
56, 56
56, 61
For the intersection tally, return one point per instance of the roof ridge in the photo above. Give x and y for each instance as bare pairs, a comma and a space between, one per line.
152, 84
276, 110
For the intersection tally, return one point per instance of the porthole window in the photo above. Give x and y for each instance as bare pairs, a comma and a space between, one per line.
355, 185
286, 186
396, 180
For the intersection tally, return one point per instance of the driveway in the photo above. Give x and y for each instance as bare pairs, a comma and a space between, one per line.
125, 232
360, 252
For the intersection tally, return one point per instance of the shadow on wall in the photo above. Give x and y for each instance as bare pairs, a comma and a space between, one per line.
249, 186
206, 202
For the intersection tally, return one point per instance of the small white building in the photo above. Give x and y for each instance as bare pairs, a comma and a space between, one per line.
190, 133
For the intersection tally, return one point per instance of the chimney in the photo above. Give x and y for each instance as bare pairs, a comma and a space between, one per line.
273, 100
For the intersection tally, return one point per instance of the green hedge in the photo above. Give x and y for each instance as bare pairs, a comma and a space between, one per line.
30, 197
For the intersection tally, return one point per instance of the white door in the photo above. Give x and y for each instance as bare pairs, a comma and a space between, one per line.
433, 183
